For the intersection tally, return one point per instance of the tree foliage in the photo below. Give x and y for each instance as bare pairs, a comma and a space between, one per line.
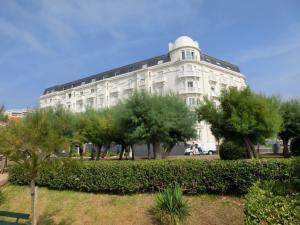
242, 116
290, 113
158, 120
3, 117
34, 139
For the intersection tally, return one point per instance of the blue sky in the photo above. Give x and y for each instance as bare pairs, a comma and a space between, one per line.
48, 42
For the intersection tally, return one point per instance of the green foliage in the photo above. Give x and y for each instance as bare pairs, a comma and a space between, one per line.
290, 112
194, 176
157, 119
3, 118
2, 198
242, 116
272, 202
40, 134
171, 207
229, 150
295, 146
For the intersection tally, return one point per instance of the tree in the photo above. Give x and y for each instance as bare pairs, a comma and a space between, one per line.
97, 127
33, 140
242, 116
290, 112
3, 117
160, 120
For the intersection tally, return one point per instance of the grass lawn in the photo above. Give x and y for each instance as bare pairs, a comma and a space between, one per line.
86, 208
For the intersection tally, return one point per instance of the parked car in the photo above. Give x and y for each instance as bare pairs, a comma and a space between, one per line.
201, 149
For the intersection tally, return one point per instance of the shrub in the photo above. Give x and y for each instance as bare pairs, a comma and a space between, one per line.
194, 176
229, 150
295, 146
271, 203
171, 208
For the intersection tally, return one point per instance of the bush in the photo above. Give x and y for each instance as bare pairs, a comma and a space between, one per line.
295, 146
271, 203
171, 208
229, 150
194, 176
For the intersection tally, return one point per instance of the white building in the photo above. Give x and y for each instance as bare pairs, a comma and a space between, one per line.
184, 70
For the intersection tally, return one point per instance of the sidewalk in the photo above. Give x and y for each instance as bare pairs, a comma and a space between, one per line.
3, 178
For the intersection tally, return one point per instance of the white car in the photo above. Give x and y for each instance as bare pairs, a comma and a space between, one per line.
202, 149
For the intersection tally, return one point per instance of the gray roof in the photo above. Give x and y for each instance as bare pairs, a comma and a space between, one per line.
133, 67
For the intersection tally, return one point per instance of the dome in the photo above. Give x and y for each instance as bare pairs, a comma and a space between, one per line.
184, 41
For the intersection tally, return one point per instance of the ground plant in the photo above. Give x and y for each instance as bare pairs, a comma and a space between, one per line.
171, 207
272, 202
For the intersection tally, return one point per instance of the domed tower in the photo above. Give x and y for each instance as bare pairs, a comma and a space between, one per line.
184, 48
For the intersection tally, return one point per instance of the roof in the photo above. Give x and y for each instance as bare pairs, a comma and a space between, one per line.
133, 67
219, 62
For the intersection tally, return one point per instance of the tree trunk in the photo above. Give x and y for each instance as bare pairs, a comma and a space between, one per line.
157, 150
98, 151
168, 150
148, 150
250, 152
132, 158
285, 148
122, 152
33, 202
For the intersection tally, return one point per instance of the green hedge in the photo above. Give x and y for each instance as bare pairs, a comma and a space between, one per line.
195, 176
272, 202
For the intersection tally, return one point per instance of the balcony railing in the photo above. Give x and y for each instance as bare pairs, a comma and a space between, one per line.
142, 83
223, 80
129, 86
160, 79
212, 78
189, 90
182, 74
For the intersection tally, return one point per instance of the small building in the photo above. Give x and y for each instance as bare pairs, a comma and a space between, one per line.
16, 114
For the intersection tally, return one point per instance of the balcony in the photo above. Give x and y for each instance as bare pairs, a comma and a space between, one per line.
142, 82
223, 80
160, 79
128, 87
213, 78
183, 74
190, 90
214, 94
114, 90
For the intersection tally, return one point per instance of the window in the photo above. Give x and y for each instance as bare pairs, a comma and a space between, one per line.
183, 54
69, 95
92, 90
187, 54
117, 73
190, 84
191, 101
90, 102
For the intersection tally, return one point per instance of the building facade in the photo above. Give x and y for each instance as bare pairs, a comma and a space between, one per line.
16, 114
184, 70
